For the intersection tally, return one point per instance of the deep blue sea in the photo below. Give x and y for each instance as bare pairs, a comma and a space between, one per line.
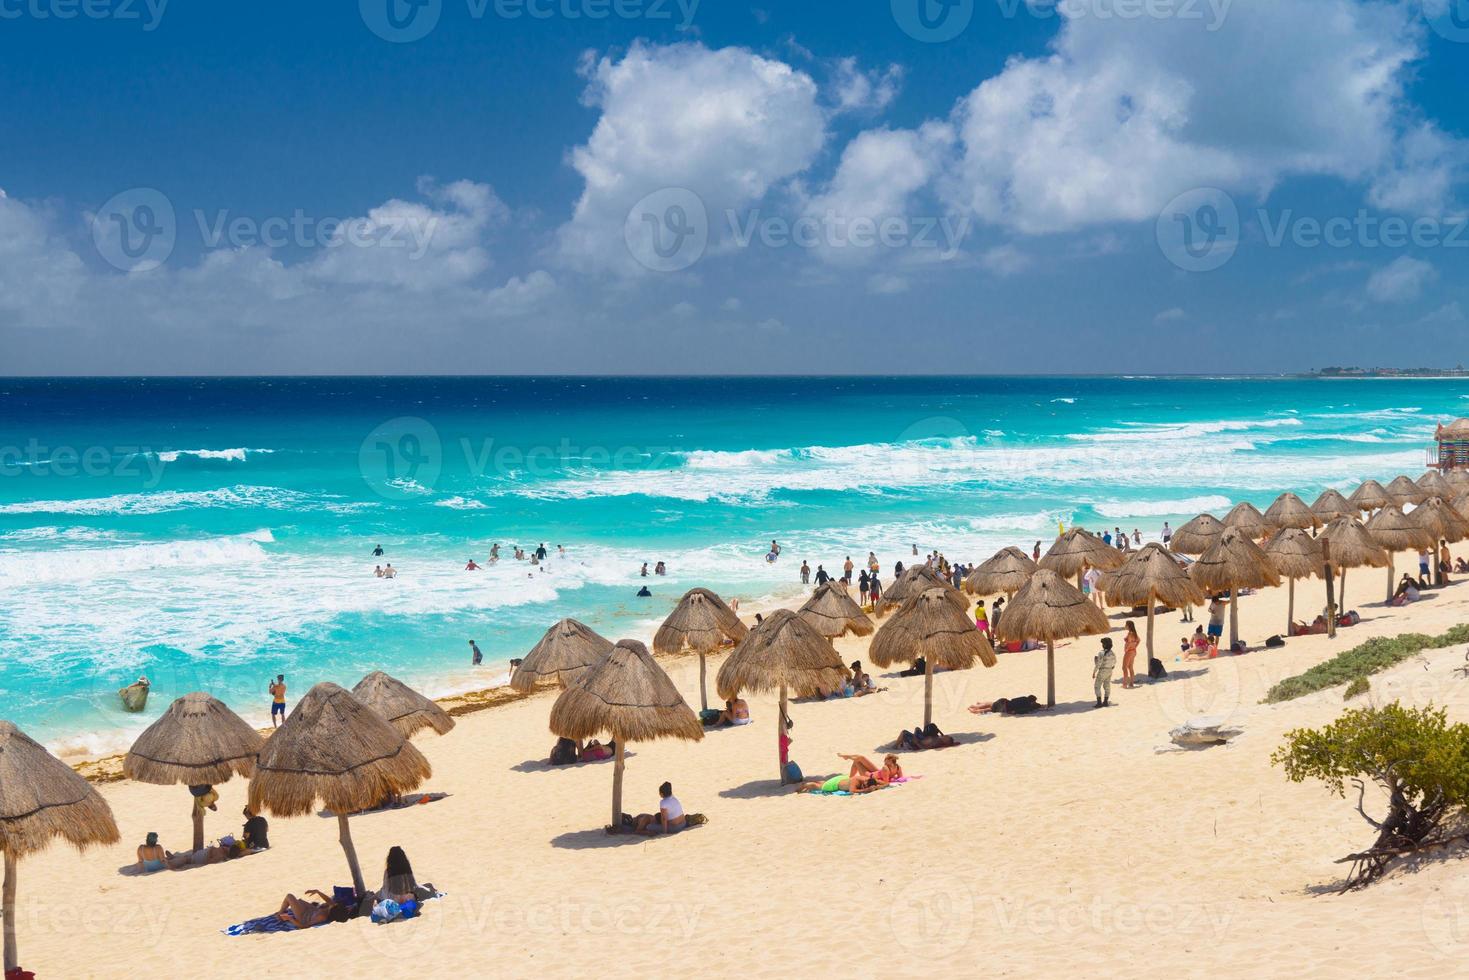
210, 533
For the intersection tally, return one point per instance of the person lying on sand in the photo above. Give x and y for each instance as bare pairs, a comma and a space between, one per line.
925, 738
1008, 706
736, 712
595, 751
301, 914
862, 766
854, 784
670, 815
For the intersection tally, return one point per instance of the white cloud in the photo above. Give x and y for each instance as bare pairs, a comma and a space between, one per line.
1401, 280
1004, 260
855, 90
1171, 315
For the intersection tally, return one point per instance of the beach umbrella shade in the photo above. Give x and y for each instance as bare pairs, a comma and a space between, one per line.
1395, 531
1151, 575
1294, 554
1234, 562
835, 613
197, 741
1331, 505
1073, 551
929, 626
702, 623
1006, 572
1197, 536
1461, 504
917, 580
785, 653
1049, 609
1443, 523
1370, 496
1404, 492
334, 750
41, 799
1291, 511
628, 698
1352, 546
403, 707
562, 654
1433, 484
1458, 479
1247, 517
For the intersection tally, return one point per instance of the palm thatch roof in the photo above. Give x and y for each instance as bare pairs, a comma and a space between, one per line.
1151, 575
1294, 553
1050, 608
835, 613
917, 580
1198, 535
783, 651
1458, 479
566, 650
1396, 531
1078, 548
1459, 428
42, 798
1461, 504
1291, 511
403, 707
1371, 495
929, 626
1234, 562
1441, 521
1434, 484
1331, 505
627, 697
1404, 492
1006, 572
1352, 545
198, 740
1247, 517
701, 622
336, 750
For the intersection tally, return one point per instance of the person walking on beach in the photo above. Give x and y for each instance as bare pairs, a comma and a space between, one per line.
874, 589
278, 700
1103, 664
475, 657
805, 572
1130, 641
1035, 553
862, 586
981, 618
1167, 534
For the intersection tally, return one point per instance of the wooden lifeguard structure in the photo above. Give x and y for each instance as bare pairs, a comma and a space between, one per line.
1451, 446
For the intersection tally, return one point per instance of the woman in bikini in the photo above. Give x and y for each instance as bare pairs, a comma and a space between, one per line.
884, 774
301, 914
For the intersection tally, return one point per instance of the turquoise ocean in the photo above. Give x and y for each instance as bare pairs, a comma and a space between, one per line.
211, 533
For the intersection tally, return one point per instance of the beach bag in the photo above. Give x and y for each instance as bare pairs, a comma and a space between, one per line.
386, 911
1155, 669
1275, 641
793, 773
1239, 646
708, 717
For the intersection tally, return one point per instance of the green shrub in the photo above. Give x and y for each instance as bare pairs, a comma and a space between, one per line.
1356, 688
1418, 760
1368, 658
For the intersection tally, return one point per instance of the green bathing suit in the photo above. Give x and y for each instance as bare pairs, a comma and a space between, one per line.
832, 785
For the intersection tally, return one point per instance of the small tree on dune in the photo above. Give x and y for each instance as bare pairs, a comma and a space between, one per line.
1418, 761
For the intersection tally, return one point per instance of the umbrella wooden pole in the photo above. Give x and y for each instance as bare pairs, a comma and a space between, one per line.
703, 684
1152, 601
1233, 617
1290, 609
1341, 598
927, 693
11, 956
198, 826
617, 790
1390, 576
1050, 673
345, 836
780, 726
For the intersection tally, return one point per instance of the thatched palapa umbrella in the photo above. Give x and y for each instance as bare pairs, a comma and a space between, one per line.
835, 613
1247, 518
566, 650
402, 707
1331, 505
701, 622
917, 580
629, 698
197, 741
1370, 496
1006, 572
1291, 511
1395, 531
1404, 492
1049, 609
1461, 504
1152, 575
334, 749
1443, 523
1433, 484
1458, 479
1073, 551
1351, 546
41, 798
1294, 554
929, 626
784, 653
1235, 562
1197, 536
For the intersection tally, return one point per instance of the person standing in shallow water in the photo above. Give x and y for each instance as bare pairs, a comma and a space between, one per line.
475, 657
805, 573
278, 700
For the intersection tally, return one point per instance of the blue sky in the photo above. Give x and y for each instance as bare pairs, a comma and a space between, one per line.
542, 186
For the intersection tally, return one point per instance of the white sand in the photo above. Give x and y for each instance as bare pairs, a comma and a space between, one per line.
1059, 843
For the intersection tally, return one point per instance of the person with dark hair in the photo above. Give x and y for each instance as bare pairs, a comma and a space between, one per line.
670, 815
1103, 664
475, 657
298, 913
398, 881
1130, 642
255, 831
278, 700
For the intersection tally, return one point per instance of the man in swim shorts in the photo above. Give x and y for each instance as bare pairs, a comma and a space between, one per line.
278, 700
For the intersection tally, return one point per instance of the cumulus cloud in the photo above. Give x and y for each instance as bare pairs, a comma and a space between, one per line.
856, 90
1401, 280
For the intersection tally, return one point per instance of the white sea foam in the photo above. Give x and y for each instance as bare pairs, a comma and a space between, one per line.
164, 501
231, 455
72, 565
1121, 509
460, 503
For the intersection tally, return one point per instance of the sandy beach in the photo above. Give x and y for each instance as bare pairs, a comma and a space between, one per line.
1062, 840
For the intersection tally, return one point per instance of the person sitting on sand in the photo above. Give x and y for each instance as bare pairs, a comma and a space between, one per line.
151, 855
920, 739
854, 783
1407, 592
256, 831
736, 712
563, 753
919, 668
399, 885
861, 682
861, 765
1204, 647
670, 815
1461, 566
298, 913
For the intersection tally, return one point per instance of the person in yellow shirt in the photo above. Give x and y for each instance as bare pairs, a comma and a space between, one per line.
278, 700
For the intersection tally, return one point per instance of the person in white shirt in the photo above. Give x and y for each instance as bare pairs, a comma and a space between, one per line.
1091, 580
670, 815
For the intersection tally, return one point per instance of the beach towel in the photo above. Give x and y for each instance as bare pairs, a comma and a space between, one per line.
256, 927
